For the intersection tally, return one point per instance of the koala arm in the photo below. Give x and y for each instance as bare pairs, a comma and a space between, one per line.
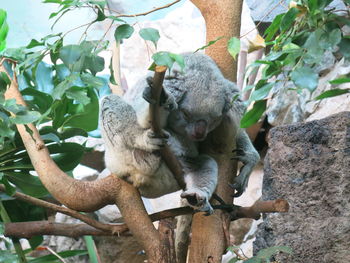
246, 154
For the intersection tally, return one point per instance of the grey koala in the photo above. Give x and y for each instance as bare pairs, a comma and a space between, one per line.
194, 102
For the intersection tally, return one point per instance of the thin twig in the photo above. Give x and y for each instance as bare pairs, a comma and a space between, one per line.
106, 227
261, 20
148, 12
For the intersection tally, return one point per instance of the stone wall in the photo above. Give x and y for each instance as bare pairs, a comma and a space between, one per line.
308, 164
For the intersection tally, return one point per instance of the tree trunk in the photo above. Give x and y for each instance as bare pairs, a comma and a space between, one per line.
210, 233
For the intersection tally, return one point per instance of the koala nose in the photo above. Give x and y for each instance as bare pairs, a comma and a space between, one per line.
200, 129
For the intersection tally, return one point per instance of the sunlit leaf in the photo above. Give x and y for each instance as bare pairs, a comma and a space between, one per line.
305, 78
234, 46
163, 58
289, 18
253, 115
332, 93
123, 31
150, 34
212, 42
339, 81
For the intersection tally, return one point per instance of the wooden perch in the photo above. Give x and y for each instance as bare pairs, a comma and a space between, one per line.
30, 229
168, 157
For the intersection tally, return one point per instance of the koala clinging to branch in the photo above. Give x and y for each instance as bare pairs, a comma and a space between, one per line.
193, 103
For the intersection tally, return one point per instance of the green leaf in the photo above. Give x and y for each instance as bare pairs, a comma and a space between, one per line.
253, 115
273, 28
163, 58
7, 257
332, 93
94, 63
100, 15
233, 260
179, 59
12, 106
344, 48
26, 117
64, 254
44, 78
35, 241
289, 18
305, 78
330, 40
212, 42
92, 81
261, 93
9, 189
4, 81
29, 184
234, 46
123, 32
70, 55
116, 19
339, 81
79, 94
3, 29
61, 88
34, 43
253, 260
66, 155
2, 228
150, 34
267, 253
87, 117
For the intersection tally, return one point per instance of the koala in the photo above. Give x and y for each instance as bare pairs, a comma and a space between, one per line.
193, 104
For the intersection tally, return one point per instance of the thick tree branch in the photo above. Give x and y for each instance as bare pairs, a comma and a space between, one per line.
39, 228
68, 191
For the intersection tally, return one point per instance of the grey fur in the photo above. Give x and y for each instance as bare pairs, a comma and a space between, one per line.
200, 97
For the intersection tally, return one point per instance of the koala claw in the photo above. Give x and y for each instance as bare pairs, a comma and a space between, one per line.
147, 95
240, 184
154, 141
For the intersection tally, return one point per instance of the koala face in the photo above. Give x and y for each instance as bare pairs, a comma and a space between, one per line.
196, 117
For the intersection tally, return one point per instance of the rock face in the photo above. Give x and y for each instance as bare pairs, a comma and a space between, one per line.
308, 164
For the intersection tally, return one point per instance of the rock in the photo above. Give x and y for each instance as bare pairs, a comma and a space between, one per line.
308, 164
267, 10
285, 106
320, 109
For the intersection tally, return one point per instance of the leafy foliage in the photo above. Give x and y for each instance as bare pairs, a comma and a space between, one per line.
298, 40
3, 29
264, 255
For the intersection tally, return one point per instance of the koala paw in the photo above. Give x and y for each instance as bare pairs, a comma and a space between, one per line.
198, 201
169, 102
154, 142
166, 99
249, 160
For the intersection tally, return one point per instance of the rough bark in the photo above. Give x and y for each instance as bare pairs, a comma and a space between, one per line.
308, 164
209, 235
222, 18
75, 194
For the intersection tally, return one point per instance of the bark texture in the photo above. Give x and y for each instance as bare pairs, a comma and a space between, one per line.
210, 234
308, 164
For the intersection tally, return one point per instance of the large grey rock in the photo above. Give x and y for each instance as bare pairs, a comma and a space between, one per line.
308, 164
267, 10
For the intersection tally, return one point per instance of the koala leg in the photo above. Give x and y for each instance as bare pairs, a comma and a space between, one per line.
246, 154
201, 175
182, 237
